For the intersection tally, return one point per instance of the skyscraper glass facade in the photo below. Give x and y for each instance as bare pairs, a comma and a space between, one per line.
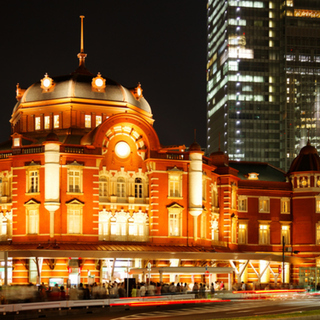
262, 75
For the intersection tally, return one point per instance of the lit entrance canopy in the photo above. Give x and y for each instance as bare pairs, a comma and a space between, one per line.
183, 270
141, 251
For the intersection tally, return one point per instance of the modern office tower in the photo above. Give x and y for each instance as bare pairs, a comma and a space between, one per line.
263, 74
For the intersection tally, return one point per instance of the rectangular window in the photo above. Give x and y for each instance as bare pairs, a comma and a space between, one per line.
37, 124
33, 181
121, 187
285, 234
204, 189
47, 122
242, 234
318, 233
242, 203
317, 205
203, 225
174, 224
264, 234
174, 186
103, 224
33, 221
56, 121
285, 205
74, 180
103, 187
16, 142
87, 121
4, 227
98, 120
74, 221
264, 205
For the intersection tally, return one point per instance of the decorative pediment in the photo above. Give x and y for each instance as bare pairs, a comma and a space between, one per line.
32, 202
75, 202
174, 170
175, 205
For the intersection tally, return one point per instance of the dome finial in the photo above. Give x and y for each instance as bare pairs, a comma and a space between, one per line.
308, 142
81, 55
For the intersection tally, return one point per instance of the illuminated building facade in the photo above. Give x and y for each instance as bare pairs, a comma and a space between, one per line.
262, 78
88, 194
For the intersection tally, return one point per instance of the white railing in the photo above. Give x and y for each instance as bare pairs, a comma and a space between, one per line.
19, 307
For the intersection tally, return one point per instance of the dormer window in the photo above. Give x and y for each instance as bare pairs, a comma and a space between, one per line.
253, 176
16, 140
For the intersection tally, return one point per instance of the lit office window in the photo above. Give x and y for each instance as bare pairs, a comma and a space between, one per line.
87, 121
56, 121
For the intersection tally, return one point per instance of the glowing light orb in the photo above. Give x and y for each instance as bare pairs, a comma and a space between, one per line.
122, 149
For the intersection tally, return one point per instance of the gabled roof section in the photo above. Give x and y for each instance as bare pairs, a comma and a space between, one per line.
266, 171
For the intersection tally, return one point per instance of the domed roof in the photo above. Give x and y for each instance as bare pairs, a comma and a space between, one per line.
307, 160
79, 85
195, 146
52, 137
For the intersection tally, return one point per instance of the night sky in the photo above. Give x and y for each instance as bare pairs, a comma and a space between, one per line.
159, 43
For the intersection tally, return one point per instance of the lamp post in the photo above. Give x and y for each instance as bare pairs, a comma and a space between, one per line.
283, 273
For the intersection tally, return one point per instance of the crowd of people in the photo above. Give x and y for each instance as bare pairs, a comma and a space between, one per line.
32, 293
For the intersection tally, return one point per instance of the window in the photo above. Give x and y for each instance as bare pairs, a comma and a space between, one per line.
242, 233
138, 227
174, 185
47, 122
33, 181
75, 180
98, 120
234, 230
174, 220
215, 228
5, 225
56, 121
87, 121
16, 142
138, 187
119, 223
285, 234
264, 234
174, 228
37, 123
103, 187
215, 202
104, 225
285, 205
317, 204
242, 203
203, 230
121, 187
33, 221
264, 205
233, 196
204, 189
318, 233
74, 220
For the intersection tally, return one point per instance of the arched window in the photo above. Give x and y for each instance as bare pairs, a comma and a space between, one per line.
121, 193
138, 187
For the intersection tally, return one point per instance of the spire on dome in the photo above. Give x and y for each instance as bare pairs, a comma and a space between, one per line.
195, 146
82, 56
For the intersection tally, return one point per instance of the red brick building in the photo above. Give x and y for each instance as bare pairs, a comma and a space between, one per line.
88, 192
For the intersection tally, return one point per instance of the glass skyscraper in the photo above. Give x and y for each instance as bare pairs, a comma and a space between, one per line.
263, 73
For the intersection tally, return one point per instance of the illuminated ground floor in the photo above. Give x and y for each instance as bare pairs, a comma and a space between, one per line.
71, 264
